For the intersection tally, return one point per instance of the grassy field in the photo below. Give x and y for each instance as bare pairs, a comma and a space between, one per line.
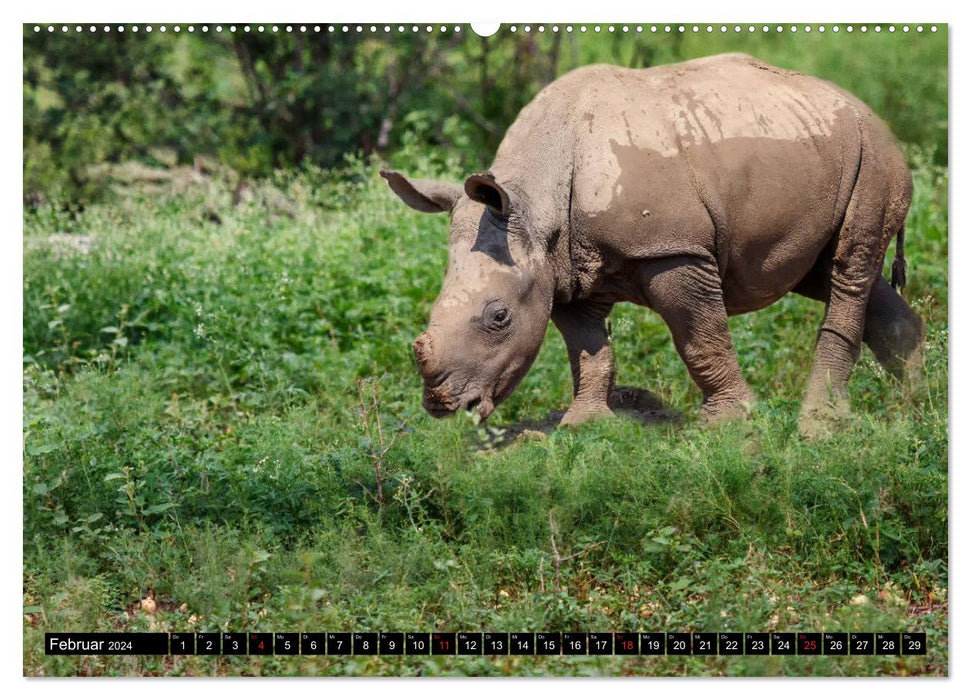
214, 392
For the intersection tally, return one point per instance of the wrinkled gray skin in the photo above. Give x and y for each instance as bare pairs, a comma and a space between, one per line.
701, 190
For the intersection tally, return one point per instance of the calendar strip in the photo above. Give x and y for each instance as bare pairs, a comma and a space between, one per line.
487, 643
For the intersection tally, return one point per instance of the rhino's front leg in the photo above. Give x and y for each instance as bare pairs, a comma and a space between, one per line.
584, 328
687, 293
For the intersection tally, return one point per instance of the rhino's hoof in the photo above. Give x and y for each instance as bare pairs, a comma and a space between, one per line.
577, 415
719, 411
813, 428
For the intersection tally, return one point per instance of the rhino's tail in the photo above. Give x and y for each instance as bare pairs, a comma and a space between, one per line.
898, 273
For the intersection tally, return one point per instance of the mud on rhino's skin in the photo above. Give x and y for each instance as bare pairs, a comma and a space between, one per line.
702, 189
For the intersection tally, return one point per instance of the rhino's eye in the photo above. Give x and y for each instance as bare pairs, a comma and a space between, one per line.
496, 315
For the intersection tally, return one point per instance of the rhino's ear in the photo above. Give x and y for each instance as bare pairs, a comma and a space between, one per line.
484, 188
429, 196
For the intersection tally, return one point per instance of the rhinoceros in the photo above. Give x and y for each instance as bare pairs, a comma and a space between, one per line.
701, 190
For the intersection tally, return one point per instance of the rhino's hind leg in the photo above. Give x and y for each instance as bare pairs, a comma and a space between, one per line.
894, 333
875, 214
892, 330
584, 329
687, 293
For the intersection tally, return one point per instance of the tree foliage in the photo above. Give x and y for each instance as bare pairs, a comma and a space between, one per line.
258, 101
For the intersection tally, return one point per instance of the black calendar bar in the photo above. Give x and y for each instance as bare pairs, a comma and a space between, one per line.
496, 643
601, 643
836, 643
488, 643
260, 643
105, 643
313, 643
548, 643
286, 644
575, 643
731, 644
418, 643
470, 643
183, 643
207, 644
809, 643
391, 643
444, 643
626, 643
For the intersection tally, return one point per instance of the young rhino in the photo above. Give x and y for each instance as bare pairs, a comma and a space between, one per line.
701, 190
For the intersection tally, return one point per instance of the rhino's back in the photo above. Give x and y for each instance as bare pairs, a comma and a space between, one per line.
726, 156
707, 100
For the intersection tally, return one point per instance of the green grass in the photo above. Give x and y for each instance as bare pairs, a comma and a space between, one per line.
196, 383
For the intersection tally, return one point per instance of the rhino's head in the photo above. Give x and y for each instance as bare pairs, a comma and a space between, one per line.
489, 320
